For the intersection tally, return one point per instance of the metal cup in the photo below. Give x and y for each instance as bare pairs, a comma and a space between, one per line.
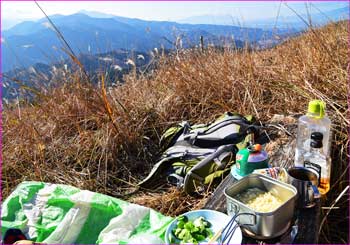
306, 182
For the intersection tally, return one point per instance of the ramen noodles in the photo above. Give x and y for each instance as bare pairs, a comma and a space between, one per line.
259, 200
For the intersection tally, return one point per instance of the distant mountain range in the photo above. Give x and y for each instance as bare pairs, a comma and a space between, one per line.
285, 22
41, 76
34, 42
31, 50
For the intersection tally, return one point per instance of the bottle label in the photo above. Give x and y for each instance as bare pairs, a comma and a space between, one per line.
314, 168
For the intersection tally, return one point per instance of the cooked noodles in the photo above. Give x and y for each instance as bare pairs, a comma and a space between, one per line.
259, 200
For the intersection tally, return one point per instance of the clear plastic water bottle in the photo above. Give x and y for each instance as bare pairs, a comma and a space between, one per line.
314, 121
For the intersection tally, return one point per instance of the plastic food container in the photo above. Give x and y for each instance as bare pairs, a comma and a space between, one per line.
262, 225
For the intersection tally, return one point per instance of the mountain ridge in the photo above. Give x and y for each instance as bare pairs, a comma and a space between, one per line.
35, 41
283, 22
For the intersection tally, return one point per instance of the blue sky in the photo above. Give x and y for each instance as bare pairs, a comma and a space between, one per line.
12, 11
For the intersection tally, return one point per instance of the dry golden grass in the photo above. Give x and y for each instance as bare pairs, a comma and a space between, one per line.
107, 142
173, 202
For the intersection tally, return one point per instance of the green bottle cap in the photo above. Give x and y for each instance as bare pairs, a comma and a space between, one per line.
316, 109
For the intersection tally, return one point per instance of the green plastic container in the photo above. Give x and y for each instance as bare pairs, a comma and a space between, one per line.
251, 158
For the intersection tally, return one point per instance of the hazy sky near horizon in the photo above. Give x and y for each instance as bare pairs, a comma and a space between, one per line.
20, 11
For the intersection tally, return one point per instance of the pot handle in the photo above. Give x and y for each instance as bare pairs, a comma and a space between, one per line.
316, 194
253, 218
232, 209
229, 230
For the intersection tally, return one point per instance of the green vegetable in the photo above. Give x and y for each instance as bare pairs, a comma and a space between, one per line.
191, 231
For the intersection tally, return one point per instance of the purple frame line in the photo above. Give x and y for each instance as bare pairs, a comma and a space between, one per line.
1, 78
176, 1
0, 112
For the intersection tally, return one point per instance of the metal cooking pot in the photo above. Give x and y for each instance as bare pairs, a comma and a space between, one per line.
262, 225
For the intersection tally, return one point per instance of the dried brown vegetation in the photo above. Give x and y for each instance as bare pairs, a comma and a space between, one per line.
80, 136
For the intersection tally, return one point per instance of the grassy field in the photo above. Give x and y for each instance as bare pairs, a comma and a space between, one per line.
106, 140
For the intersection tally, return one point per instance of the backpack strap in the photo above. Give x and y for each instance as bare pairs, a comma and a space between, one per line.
158, 171
171, 135
233, 138
178, 152
176, 179
194, 175
191, 138
210, 137
242, 121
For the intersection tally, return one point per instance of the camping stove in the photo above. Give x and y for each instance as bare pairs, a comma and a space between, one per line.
288, 237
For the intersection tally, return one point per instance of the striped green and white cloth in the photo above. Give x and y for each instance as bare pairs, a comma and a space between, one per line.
61, 214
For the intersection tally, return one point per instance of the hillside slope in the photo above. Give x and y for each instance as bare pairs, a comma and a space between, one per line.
76, 134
